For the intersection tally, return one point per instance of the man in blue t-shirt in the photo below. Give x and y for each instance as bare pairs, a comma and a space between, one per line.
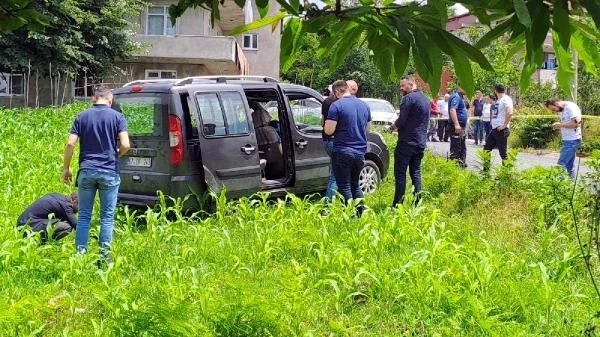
102, 135
348, 121
457, 123
412, 137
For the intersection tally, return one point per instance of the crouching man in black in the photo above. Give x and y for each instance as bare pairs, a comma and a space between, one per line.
55, 209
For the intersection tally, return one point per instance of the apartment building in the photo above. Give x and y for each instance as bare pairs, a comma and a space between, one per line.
192, 47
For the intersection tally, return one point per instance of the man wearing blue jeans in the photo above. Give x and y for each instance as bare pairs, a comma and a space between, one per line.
412, 138
97, 129
570, 130
328, 145
348, 121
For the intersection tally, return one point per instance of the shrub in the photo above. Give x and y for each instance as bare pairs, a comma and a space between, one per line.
533, 132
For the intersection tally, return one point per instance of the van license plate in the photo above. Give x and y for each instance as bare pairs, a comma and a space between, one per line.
139, 161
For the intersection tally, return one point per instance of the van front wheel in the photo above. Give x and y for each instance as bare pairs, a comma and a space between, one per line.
369, 177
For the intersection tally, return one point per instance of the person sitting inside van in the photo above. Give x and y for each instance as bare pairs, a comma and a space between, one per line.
55, 209
269, 142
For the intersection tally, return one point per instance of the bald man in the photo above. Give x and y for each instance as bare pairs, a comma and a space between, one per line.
352, 87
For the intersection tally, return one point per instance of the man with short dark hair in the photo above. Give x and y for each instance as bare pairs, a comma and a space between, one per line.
102, 135
412, 138
477, 111
570, 130
501, 117
457, 123
55, 209
348, 121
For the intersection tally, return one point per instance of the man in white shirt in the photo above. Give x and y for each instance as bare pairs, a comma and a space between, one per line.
442, 103
570, 129
501, 117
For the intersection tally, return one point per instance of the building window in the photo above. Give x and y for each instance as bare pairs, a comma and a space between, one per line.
160, 74
250, 41
11, 84
159, 22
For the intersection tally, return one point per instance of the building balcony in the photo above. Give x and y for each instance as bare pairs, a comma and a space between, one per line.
219, 54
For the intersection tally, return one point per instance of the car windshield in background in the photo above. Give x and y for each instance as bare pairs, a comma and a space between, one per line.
380, 106
142, 111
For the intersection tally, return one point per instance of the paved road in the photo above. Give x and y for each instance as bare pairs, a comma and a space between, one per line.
524, 160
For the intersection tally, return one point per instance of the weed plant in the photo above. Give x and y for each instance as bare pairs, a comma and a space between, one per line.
477, 257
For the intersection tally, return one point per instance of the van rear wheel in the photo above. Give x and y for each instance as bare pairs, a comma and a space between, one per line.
369, 177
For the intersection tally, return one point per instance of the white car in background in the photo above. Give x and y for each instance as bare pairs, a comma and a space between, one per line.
382, 111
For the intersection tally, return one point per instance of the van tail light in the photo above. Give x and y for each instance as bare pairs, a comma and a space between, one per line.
175, 140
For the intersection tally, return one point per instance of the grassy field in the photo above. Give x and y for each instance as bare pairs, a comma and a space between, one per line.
479, 257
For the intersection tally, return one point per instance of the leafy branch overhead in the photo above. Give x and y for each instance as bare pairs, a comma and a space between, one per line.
394, 32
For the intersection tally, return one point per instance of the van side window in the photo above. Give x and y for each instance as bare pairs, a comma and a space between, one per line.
222, 114
235, 113
307, 113
213, 122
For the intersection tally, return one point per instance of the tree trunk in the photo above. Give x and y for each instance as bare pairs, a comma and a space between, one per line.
51, 87
37, 88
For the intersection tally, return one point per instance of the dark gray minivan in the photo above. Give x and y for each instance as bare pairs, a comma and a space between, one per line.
244, 133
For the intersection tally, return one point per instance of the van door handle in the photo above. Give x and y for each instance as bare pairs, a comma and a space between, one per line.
301, 143
248, 149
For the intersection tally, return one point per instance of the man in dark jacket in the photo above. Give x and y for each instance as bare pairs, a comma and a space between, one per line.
55, 209
412, 137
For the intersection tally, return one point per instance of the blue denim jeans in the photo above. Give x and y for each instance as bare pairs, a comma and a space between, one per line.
407, 157
478, 131
487, 129
331, 185
107, 184
346, 168
567, 155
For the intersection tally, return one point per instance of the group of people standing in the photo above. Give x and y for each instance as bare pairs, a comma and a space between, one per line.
346, 121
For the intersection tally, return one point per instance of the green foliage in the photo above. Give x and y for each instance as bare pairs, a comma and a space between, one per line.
307, 69
395, 32
535, 133
477, 257
83, 36
536, 94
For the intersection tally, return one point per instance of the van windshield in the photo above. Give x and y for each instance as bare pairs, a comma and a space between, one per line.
144, 112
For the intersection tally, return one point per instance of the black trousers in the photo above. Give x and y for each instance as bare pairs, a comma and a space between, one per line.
498, 139
442, 131
458, 145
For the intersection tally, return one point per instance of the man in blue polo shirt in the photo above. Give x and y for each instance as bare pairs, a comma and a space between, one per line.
457, 123
348, 121
412, 137
102, 135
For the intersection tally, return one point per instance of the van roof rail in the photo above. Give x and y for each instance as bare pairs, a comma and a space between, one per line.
158, 80
224, 78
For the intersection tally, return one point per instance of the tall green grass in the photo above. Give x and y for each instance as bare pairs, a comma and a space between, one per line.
479, 257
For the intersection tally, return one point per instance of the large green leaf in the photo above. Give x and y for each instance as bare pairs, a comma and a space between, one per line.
292, 33
257, 24
593, 8
566, 71
263, 7
495, 32
522, 12
561, 23
468, 50
587, 51
462, 66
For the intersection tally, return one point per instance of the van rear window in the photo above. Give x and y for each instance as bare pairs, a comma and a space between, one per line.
144, 112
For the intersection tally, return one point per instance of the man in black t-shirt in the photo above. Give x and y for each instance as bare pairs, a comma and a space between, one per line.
55, 209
